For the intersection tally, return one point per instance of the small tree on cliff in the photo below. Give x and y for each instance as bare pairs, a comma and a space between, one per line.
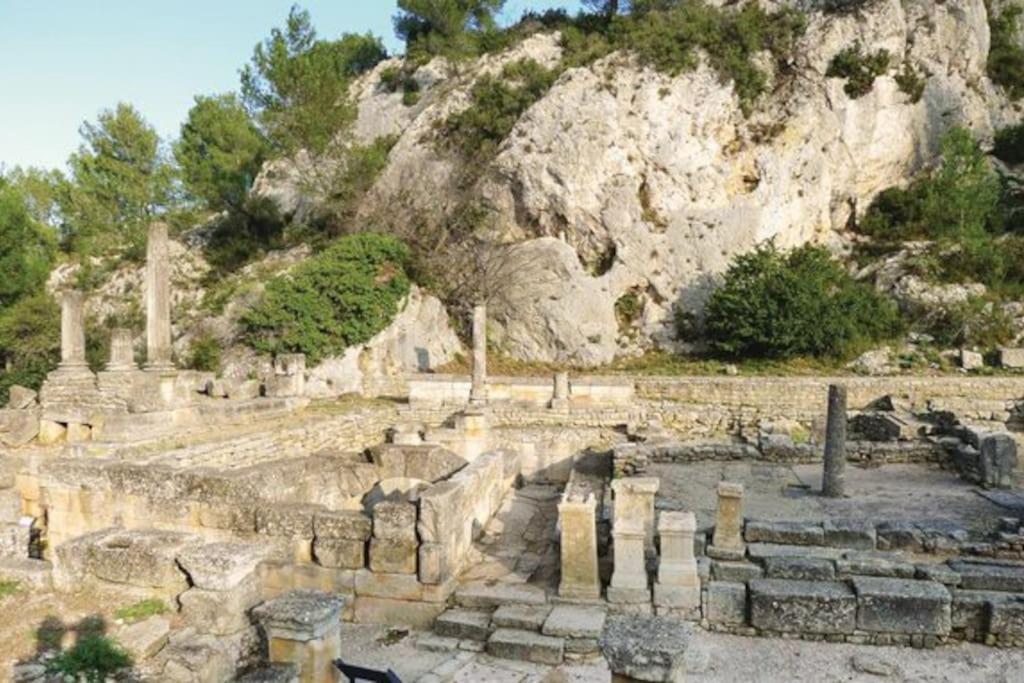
434, 27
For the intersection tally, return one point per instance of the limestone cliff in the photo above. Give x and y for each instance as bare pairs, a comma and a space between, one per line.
625, 182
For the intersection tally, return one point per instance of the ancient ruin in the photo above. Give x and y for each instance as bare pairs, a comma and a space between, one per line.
544, 520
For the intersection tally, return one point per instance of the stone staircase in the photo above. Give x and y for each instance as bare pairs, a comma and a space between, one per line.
517, 622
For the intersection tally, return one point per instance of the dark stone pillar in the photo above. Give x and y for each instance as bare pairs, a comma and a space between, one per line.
835, 442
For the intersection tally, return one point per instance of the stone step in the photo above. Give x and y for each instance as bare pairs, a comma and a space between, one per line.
27, 572
527, 646
464, 624
483, 595
522, 617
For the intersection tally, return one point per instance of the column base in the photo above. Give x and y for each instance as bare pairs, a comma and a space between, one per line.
629, 595
729, 554
560, 405
676, 597
578, 592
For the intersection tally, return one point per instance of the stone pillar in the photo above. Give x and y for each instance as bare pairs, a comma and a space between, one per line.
304, 627
289, 375
835, 443
478, 391
678, 585
727, 542
577, 519
634, 500
72, 331
158, 299
561, 396
122, 352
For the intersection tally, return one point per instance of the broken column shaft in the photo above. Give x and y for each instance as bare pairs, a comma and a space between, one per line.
158, 299
478, 390
72, 331
835, 443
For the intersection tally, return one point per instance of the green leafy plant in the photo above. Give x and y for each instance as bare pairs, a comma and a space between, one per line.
859, 69
8, 588
93, 658
444, 27
977, 322
343, 189
801, 303
141, 610
204, 354
1005, 64
340, 297
910, 82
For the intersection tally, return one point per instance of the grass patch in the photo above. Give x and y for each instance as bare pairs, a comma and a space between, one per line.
141, 610
8, 588
93, 659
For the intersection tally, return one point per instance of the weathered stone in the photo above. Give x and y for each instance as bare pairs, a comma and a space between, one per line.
272, 673
792, 533
998, 459
288, 520
578, 546
526, 646
900, 535
416, 615
726, 603
741, 572
873, 665
350, 525
221, 566
990, 576
727, 541
802, 606
1008, 617
395, 556
145, 638
575, 621
634, 505
646, 648
20, 398
971, 609
394, 521
835, 443
849, 533
340, 553
464, 624
478, 390
875, 564
938, 572
300, 615
142, 558
522, 617
495, 595
971, 360
221, 612
901, 606
19, 427
51, 432
761, 551
1011, 358
805, 568
678, 584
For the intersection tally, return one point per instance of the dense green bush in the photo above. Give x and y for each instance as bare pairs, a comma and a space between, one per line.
92, 659
340, 297
29, 342
1009, 144
910, 82
27, 247
859, 69
977, 323
801, 303
497, 104
343, 189
204, 354
1006, 56
244, 235
394, 79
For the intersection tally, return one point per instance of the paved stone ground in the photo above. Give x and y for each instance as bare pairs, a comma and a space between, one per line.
718, 658
519, 543
913, 492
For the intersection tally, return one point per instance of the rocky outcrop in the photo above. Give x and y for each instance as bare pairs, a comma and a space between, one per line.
629, 191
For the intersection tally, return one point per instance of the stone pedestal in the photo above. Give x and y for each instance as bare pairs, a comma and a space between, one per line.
727, 542
158, 300
678, 584
474, 430
304, 628
122, 353
634, 504
835, 443
478, 390
72, 333
560, 401
577, 520
289, 375
629, 579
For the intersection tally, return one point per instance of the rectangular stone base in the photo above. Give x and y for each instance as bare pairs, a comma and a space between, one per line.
730, 554
578, 592
631, 596
676, 597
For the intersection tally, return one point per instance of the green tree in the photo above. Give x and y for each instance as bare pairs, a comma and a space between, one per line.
433, 27
27, 247
120, 179
220, 151
29, 341
296, 85
962, 196
801, 303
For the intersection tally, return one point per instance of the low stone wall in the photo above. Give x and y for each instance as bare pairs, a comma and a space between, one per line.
584, 391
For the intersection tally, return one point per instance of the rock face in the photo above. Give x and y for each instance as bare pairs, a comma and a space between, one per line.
644, 193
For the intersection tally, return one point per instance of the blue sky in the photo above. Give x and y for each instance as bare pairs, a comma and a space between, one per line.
65, 60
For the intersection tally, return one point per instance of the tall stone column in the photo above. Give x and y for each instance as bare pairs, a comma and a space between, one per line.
578, 523
678, 585
478, 391
727, 542
72, 331
122, 351
835, 443
158, 299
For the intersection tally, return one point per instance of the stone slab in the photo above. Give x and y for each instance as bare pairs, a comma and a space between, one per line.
523, 617
989, 576
1007, 617
735, 571
849, 533
526, 646
875, 564
786, 533
761, 551
480, 594
464, 624
145, 638
726, 603
575, 621
646, 648
800, 568
823, 607
902, 606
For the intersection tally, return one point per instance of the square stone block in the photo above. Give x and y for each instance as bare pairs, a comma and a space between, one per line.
850, 533
393, 556
351, 525
340, 553
394, 521
902, 606
1008, 617
726, 603
220, 613
825, 607
800, 568
574, 621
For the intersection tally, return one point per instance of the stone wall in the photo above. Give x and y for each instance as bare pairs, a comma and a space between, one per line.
584, 391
